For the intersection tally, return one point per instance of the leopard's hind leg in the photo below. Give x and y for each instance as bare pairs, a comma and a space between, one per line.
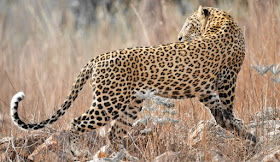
94, 118
124, 123
103, 110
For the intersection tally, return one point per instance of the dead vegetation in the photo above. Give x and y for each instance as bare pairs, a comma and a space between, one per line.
41, 56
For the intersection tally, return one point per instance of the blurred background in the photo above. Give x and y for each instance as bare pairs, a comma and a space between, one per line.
44, 44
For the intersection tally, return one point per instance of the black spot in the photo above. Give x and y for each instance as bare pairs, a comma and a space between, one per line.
90, 127
118, 106
115, 113
103, 112
124, 107
229, 93
138, 101
100, 106
107, 104
53, 120
20, 122
96, 112
178, 88
197, 89
226, 87
175, 93
206, 99
110, 109
105, 98
97, 93
222, 95
91, 111
38, 127
232, 98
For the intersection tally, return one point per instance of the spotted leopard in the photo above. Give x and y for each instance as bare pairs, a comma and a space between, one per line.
205, 64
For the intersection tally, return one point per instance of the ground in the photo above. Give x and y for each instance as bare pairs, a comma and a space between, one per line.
205, 141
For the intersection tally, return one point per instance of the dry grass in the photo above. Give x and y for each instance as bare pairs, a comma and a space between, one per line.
42, 57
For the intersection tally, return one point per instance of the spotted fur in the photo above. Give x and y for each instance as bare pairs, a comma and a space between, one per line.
204, 64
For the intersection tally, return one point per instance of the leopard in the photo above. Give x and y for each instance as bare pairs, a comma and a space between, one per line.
204, 63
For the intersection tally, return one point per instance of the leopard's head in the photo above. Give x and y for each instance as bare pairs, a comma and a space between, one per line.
194, 25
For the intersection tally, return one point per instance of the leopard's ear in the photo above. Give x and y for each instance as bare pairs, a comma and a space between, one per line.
200, 11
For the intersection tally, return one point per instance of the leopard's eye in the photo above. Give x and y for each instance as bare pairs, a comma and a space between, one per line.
188, 26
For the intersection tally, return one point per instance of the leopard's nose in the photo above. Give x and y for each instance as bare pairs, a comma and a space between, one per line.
180, 38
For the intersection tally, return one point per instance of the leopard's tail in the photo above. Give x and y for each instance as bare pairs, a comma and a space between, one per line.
77, 86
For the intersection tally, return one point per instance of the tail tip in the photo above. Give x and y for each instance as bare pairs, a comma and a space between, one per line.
17, 97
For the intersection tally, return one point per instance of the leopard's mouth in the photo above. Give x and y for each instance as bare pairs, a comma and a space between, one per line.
184, 39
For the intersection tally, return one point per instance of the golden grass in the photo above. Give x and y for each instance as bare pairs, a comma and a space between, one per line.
41, 57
